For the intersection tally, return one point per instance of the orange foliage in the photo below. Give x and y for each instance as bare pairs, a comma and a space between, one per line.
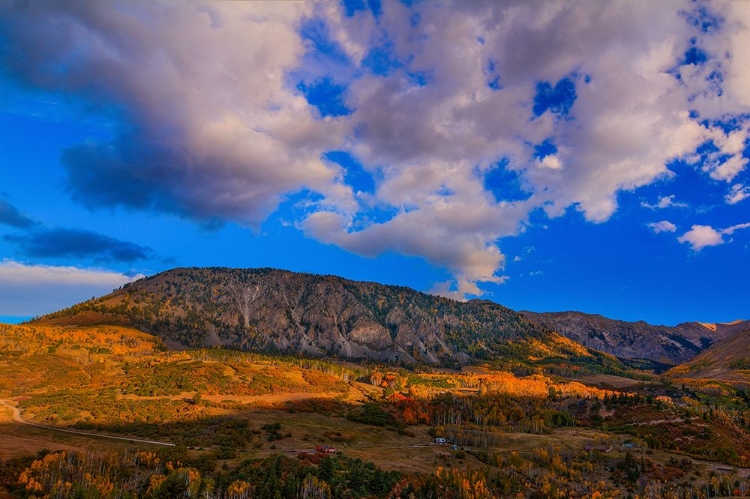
239, 489
116, 340
467, 484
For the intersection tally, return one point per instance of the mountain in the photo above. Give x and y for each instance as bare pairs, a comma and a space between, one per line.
636, 340
726, 360
267, 309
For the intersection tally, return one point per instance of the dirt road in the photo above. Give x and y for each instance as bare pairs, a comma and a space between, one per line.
17, 418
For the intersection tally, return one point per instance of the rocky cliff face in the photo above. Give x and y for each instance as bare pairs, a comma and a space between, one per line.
319, 315
635, 340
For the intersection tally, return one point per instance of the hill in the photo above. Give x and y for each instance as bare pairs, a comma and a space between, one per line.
636, 340
275, 310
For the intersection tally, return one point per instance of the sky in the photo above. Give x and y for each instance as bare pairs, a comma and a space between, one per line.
549, 155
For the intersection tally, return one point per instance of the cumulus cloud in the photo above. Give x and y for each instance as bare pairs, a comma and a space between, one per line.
28, 290
626, 115
77, 243
458, 241
9, 215
577, 101
701, 236
663, 226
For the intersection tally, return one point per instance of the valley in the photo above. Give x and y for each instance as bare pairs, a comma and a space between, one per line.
115, 410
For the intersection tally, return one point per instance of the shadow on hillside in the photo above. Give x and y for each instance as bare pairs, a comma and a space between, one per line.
290, 425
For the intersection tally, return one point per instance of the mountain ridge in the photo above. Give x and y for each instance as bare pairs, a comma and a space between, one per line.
327, 315
318, 315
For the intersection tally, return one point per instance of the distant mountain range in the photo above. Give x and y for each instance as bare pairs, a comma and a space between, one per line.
728, 360
268, 309
631, 340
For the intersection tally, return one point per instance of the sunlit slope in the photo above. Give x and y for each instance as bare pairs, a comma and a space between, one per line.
43, 358
112, 374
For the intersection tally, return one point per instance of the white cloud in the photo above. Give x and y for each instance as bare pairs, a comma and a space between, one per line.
665, 202
457, 235
552, 162
700, 236
28, 290
738, 193
725, 170
736, 60
663, 226
734, 228
626, 124
425, 141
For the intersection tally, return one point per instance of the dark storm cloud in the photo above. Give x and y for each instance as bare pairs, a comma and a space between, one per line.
9, 215
77, 243
203, 126
136, 173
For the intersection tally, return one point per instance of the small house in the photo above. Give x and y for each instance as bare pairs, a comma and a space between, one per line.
598, 448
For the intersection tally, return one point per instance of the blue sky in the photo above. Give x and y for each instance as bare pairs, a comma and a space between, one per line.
547, 155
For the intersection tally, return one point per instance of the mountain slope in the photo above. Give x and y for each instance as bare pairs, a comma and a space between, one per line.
318, 315
636, 340
726, 360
